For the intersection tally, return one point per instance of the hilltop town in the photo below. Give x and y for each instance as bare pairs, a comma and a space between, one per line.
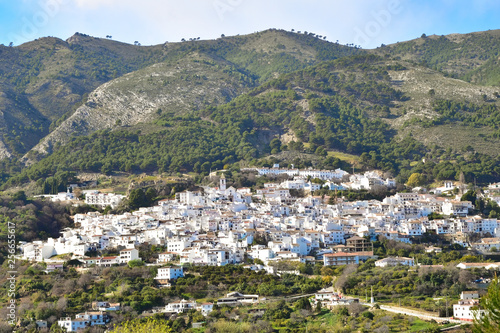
269, 230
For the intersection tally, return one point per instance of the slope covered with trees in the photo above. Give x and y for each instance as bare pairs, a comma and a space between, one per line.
472, 57
44, 81
342, 105
190, 112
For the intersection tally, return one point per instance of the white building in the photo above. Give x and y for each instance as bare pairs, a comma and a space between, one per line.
321, 174
103, 199
128, 255
180, 306
468, 307
457, 208
169, 273
83, 320
205, 308
394, 261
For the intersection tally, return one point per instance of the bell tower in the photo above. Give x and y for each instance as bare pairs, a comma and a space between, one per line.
222, 185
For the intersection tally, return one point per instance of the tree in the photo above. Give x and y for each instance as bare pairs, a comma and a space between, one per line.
416, 179
152, 325
303, 304
135, 263
150, 195
19, 195
137, 199
469, 196
107, 168
318, 306
275, 144
490, 321
321, 151
326, 271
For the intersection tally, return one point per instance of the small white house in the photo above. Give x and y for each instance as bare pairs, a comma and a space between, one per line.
180, 306
82, 321
205, 308
395, 261
166, 274
468, 307
128, 255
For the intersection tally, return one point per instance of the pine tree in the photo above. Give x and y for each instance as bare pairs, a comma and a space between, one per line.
490, 321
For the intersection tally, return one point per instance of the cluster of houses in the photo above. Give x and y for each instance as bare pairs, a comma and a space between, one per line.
232, 299
335, 179
98, 316
223, 225
84, 320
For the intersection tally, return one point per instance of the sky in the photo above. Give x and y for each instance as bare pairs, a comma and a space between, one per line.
367, 23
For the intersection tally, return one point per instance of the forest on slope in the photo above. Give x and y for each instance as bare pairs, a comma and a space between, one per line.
277, 91
345, 105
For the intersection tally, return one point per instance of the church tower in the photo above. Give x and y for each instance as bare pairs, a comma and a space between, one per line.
222, 186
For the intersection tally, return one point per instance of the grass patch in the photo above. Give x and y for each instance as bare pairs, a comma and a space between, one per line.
419, 325
344, 156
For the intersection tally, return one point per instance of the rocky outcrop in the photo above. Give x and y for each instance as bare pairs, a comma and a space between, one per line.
138, 97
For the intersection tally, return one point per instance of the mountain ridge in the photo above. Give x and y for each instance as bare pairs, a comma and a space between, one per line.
307, 83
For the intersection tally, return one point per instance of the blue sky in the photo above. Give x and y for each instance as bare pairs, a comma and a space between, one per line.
368, 23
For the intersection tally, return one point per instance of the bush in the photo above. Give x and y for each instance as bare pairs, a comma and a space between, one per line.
135, 263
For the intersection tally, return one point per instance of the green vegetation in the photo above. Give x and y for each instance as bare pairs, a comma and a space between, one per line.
490, 303
471, 57
33, 219
331, 111
144, 325
61, 294
44, 81
34, 73
415, 287
332, 101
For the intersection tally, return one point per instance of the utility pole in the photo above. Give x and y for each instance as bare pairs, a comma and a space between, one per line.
372, 300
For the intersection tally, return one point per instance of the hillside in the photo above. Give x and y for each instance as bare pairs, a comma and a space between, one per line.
172, 88
472, 57
208, 104
363, 105
43, 82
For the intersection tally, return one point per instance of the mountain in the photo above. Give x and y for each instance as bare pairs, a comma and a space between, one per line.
240, 99
366, 105
42, 83
472, 57
173, 88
